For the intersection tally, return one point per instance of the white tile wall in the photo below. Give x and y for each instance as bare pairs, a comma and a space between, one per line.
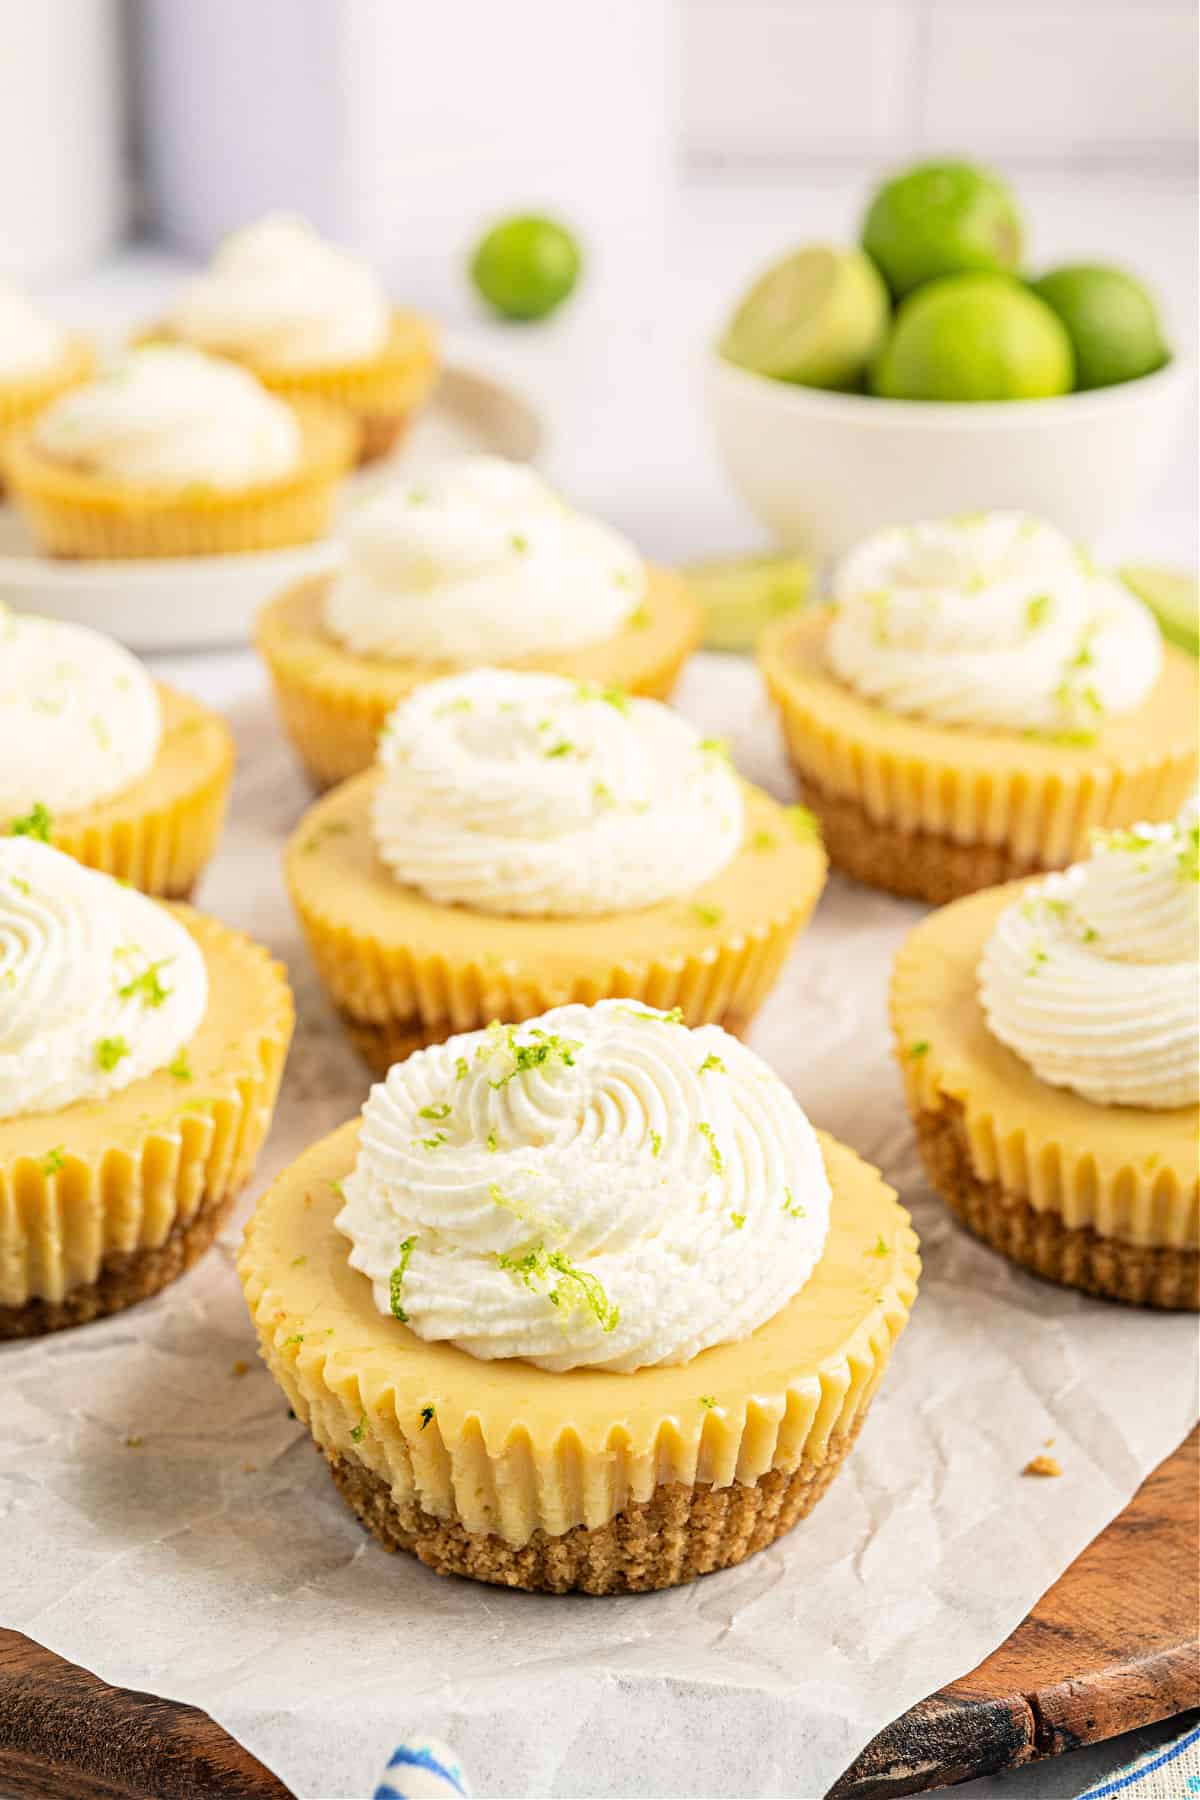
765, 78
387, 133
1063, 81
830, 80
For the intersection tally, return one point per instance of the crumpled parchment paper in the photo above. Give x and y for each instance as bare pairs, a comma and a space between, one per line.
211, 1561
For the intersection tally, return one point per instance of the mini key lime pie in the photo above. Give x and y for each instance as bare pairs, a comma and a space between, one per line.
581, 1304
977, 700
527, 840
1049, 1037
479, 563
311, 321
140, 1053
171, 453
38, 361
121, 772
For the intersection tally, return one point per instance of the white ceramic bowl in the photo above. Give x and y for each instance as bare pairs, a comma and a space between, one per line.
823, 470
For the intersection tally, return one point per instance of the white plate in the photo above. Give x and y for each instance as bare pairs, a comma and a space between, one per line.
199, 602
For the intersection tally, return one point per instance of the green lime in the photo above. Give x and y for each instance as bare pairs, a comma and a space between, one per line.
974, 337
1111, 320
740, 596
526, 266
1173, 597
817, 318
942, 218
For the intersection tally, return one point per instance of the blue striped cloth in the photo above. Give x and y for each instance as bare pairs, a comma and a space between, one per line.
1169, 1774
422, 1769
425, 1769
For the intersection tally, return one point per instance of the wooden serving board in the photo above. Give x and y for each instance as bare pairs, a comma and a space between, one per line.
1112, 1645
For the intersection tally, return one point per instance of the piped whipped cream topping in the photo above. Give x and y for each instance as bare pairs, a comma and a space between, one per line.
993, 621
598, 1188
29, 342
99, 986
528, 794
1092, 977
168, 417
277, 293
479, 562
79, 716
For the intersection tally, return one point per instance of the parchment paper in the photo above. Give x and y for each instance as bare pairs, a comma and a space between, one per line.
213, 1562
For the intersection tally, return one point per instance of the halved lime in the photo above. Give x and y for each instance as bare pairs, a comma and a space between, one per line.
740, 595
1173, 597
816, 318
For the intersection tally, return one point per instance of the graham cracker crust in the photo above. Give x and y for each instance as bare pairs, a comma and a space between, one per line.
1073, 1255
680, 1533
126, 1276
917, 865
382, 1045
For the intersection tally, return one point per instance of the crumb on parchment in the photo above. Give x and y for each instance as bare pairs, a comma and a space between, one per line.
1042, 1465
240, 1367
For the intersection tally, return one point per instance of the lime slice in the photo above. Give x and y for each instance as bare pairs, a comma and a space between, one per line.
740, 596
816, 318
1173, 597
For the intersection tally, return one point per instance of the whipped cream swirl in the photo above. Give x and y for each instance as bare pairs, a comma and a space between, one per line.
99, 986
598, 1188
529, 794
278, 294
1092, 978
79, 716
995, 621
169, 417
29, 343
479, 562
